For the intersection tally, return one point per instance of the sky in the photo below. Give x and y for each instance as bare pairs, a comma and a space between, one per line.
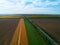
29, 6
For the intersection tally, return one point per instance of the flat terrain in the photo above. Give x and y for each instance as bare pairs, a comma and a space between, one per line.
7, 29
20, 37
11, 16
34, 36
18, 30
23, 34
50, 25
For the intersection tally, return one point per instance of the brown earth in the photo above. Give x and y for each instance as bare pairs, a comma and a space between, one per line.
23, 36
51, 25
20, 37
7, 29
15, 38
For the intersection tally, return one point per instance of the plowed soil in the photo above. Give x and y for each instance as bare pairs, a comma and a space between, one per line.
51, 25
7, 29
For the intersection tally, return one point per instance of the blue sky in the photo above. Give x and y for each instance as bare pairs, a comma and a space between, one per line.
29, 6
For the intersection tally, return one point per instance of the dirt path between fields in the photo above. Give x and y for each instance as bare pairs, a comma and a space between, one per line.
20, 37
23, 38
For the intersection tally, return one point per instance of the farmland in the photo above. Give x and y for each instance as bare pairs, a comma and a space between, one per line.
50, 25
23, 30
7, 29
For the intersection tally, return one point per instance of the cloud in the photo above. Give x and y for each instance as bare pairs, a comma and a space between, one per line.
45, 3
28, 6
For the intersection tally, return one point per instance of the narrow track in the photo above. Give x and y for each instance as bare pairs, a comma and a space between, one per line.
20, 37
23, 36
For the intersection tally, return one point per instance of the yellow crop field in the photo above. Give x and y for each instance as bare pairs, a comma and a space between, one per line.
11, 16
31, 16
